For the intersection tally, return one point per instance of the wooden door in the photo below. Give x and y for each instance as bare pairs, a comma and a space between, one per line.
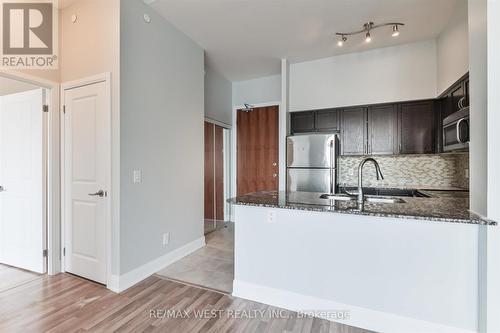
416, 128
353, 139
219, 172
209, 171
214, 172
382, 129
86, 154
257, 150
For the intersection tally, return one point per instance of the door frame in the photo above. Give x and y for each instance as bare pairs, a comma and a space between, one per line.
281, 145
51, 192
106, 78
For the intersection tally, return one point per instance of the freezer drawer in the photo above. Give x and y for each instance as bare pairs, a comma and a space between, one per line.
309, 180
310, 151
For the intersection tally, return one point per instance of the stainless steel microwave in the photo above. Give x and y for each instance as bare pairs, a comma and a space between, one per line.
456, 131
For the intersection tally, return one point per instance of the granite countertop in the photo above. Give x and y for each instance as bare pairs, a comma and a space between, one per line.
452, 209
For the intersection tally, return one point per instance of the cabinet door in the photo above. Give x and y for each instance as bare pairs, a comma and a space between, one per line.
455, 96
354, 132
466, 92
382, 129
326, 120
416, 126
302, 122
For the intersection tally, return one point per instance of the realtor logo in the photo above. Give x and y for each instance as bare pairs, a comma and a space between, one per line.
29, 35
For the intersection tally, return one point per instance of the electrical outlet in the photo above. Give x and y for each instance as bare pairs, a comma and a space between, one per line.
467, 173
271, 216
137, 178
166, 238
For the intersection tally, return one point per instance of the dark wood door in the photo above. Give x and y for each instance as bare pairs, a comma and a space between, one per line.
302, 122
417, 128
326, 121
209, 171
219, 172
257, 150
354, 131
382, 129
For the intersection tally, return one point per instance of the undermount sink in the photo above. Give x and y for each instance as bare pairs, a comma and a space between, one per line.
371, 198
339, 197
382, 199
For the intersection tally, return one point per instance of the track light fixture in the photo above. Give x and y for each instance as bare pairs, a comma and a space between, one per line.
342, 41
367, 28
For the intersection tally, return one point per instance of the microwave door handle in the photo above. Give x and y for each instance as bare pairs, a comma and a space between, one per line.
459, 139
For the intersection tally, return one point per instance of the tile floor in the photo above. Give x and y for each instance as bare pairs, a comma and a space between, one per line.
212, 266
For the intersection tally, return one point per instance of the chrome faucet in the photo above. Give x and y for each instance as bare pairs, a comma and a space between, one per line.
361, 198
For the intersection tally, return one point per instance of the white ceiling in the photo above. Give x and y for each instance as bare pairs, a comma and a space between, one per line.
8, 86
245, 39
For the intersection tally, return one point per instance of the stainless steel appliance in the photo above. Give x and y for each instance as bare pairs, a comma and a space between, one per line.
456, 131
312, 161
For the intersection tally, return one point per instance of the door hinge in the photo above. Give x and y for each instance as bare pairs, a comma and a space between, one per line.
64, 109
45, 108
45, 253
64, 251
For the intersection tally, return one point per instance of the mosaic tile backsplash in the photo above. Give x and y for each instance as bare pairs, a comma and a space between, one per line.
440, 171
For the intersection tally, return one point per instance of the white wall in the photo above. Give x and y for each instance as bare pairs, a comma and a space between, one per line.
162, 102
218, 97
399, 73
453, 48
393, 275
478, 106
493, 240
256, 91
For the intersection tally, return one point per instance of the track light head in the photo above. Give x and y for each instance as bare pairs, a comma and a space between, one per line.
395, 30
341, 42
368, 37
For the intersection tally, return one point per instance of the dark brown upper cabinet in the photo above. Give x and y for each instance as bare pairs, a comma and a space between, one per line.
302, 122
416, 127
353, 139
450, 98
327, 120
382, 130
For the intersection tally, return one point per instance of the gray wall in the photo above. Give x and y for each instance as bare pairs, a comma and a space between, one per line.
162, 97
262, 90
218, 96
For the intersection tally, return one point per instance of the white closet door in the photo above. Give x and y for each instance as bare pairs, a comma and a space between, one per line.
22, 222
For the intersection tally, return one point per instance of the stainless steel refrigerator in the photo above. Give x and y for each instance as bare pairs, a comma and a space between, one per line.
312, 161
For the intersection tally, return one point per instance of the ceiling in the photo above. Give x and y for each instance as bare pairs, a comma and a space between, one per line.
245, 39
9, 86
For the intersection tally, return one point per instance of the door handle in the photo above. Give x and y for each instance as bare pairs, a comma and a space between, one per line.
2, 189
97, 194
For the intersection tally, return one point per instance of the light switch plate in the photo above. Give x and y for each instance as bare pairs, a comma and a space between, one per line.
137, 178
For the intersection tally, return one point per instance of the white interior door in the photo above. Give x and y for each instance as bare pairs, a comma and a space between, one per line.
86, 150
22, 169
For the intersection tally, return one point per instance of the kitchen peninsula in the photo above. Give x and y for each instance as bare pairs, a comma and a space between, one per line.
411, 264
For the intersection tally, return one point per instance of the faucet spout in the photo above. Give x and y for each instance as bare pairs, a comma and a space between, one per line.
378, 172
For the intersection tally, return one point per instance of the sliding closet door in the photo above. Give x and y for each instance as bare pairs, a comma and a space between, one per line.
219, 172
209, 172
214, 172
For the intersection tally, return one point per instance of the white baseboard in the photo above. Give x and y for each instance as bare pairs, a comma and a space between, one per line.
359, 317
121, 283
